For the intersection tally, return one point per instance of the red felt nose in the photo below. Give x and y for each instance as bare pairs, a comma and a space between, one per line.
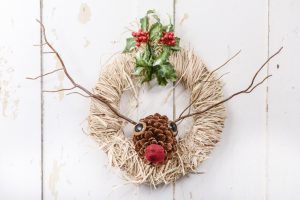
155, 153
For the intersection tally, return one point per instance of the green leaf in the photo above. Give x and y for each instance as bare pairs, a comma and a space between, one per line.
141, 62
164, 73
176, 47
144, 23
148, 65
150, 12
148, 75
164, 57
138, 71
156, 18
144, 59
130, 44
161, 80
167, 70
147, 53
169, 28
156, 31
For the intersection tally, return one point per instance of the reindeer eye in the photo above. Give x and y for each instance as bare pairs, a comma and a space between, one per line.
139, 128
173, 126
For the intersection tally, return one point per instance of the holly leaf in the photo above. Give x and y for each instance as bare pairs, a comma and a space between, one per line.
150, 12
147, 75
144, 23
141, 62
161, 80
167, 71
156, 18
147, 53
169, 28
138, 71
156, 31
176, 47
164, 57
130, 44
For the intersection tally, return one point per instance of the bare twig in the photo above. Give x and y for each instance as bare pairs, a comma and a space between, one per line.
79, 94
60, 90
211, 81
76, 85
196, 99
45, 52
44, 74
231, 58
249, 89
38, 45
210, 74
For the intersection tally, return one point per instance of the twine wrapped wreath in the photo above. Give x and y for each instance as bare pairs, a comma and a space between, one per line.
107, 123
195, 145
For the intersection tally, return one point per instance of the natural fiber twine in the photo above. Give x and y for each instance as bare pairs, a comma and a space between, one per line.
193, 147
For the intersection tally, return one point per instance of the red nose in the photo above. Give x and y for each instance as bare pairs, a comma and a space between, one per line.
155, 153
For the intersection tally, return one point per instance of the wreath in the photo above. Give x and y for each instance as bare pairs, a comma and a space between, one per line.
155, 154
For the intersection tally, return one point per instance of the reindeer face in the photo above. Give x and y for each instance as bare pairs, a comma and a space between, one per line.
154, 138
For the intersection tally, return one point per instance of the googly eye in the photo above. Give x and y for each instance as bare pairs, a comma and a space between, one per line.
173, 127
139, 128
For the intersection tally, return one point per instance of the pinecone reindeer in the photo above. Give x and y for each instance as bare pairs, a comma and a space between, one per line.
154, 136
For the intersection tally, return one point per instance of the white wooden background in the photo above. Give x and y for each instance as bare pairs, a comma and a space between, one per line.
44, 149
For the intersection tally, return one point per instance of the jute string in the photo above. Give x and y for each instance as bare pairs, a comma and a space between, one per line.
193, 147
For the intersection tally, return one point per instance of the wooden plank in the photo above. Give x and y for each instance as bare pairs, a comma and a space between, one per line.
284, 96
86, 34
216, 30
19, 101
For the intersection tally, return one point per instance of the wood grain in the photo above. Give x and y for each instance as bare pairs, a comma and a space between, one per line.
20, 126
258, 157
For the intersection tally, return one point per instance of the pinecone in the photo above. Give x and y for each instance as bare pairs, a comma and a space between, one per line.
155, 139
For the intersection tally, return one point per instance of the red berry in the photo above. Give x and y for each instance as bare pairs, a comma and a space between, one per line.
173, 42
137, 39
138, 44
171, 33
133, 34
155, 153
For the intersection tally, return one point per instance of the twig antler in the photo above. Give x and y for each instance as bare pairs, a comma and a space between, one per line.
249, 89
207, 79
76, 85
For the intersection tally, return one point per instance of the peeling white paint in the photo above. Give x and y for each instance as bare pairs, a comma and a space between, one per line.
54, 33
9, 101
184, 18
86, 43
54, 178
84, 15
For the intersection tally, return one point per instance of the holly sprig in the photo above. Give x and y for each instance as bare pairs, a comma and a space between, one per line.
153, 45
